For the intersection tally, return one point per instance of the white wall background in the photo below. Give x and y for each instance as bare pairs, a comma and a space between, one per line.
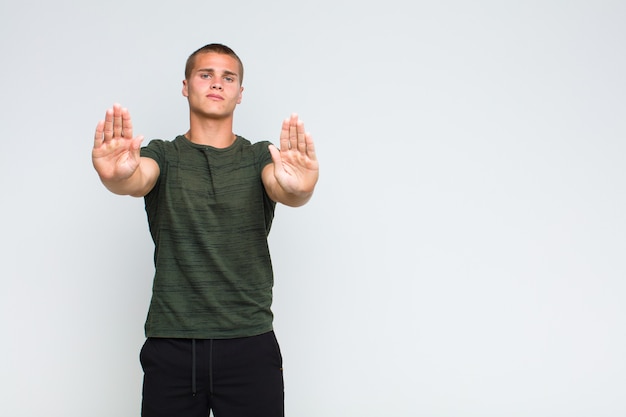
464, 254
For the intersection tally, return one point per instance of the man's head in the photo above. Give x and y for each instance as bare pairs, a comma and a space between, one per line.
215, 48
212, 82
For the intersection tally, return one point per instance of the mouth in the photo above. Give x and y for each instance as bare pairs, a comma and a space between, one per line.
215, 97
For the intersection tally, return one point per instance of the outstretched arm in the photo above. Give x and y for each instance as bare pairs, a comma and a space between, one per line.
116, 156
292, 176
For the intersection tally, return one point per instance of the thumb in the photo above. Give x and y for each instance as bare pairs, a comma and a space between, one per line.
275, 153
136, 143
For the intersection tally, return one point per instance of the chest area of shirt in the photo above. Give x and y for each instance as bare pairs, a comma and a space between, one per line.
208, 176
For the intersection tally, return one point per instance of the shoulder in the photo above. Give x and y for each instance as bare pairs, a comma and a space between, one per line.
258, 147
161, 144
155, 145
159, 148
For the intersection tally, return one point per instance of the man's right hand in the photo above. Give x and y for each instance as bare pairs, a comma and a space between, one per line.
115, 153
116, 156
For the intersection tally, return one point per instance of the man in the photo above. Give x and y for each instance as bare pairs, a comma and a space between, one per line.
210, 197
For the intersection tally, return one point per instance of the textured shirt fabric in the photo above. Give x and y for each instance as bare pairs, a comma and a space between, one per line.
209, 217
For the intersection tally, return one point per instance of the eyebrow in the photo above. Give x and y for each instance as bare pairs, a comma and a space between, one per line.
225, 72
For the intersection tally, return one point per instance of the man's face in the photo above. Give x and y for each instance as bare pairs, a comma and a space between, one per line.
214, 86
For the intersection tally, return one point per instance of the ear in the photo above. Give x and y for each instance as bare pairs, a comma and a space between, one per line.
185, 89
240, 95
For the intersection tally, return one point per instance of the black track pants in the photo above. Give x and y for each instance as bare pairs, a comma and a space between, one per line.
231, 377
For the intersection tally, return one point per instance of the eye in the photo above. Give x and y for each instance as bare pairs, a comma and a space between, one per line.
229, 79
205, 75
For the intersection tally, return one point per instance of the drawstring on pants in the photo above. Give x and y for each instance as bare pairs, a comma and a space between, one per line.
193, 367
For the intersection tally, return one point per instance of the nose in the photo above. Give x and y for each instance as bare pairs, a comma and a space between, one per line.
216, 86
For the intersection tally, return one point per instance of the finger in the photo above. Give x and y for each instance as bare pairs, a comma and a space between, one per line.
108, 125
310, 146
127, 124
99, 135
284, 136
117, 121
301, 133
293, 131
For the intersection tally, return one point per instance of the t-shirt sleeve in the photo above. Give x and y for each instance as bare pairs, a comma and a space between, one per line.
264, 156
154, 150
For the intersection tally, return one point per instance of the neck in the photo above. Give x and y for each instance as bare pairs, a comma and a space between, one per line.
211, 132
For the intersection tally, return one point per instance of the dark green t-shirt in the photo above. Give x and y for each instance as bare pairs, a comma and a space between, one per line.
209, 217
